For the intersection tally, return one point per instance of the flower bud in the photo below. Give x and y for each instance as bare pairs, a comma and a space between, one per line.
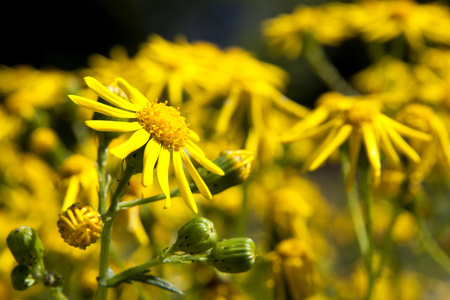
80, 226
234, 255
22, 278
196, 236
26, 247
237, 165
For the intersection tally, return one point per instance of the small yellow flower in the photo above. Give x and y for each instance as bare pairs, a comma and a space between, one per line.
80, 226
423, 118
158, 127
360, 122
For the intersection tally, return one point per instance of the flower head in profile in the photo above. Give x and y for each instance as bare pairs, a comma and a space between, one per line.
326, 23
385, 20
423, 118
159, 128
359, 121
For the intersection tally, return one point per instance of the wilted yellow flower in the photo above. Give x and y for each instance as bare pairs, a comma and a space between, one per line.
385, 20
423, 118
360, 121
158, 127
80, 226
326, 23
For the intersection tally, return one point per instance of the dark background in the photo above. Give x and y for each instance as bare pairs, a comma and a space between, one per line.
63, 34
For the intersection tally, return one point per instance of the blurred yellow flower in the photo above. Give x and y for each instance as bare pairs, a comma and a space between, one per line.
27, 89
326, 23
160, 128
179, 67
253, 100
359, 121
292, 266
384, 20
423, 118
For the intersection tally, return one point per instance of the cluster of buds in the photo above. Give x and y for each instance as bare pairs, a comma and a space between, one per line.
199, 237
27, 249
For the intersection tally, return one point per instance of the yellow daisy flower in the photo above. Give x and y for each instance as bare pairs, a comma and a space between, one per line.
360, 121
158, 127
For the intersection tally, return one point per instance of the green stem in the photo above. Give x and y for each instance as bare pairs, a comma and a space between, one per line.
320, 64
57, 293
431, 246
355, 209
131, 203
160, 259
108, 220
366, 195
102, 155
243, 217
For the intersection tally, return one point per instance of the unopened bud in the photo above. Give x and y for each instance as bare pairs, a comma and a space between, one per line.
237, 165
22, 278
234, 255
26, 247
80, 226
196, 236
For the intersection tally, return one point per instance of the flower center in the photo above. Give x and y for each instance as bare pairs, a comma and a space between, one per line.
361, 112
165, 124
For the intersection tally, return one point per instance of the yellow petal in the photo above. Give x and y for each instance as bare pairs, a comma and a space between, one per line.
72, 192
193, 136
387, 147
400, 143
102, 108
136, 141
182, 182
443, 139
108, 95
228, 108
132, 93
202, 187
151, 154
113, 126
162, 171
373, 154
175, 87
309, 133
405, 130
201, 159
290, 106
331, 143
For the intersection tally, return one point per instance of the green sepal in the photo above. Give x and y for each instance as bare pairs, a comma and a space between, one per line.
234, 255
26, 247
22, 278
196, 236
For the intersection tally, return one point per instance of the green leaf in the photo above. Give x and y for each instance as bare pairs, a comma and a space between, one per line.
159, 282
